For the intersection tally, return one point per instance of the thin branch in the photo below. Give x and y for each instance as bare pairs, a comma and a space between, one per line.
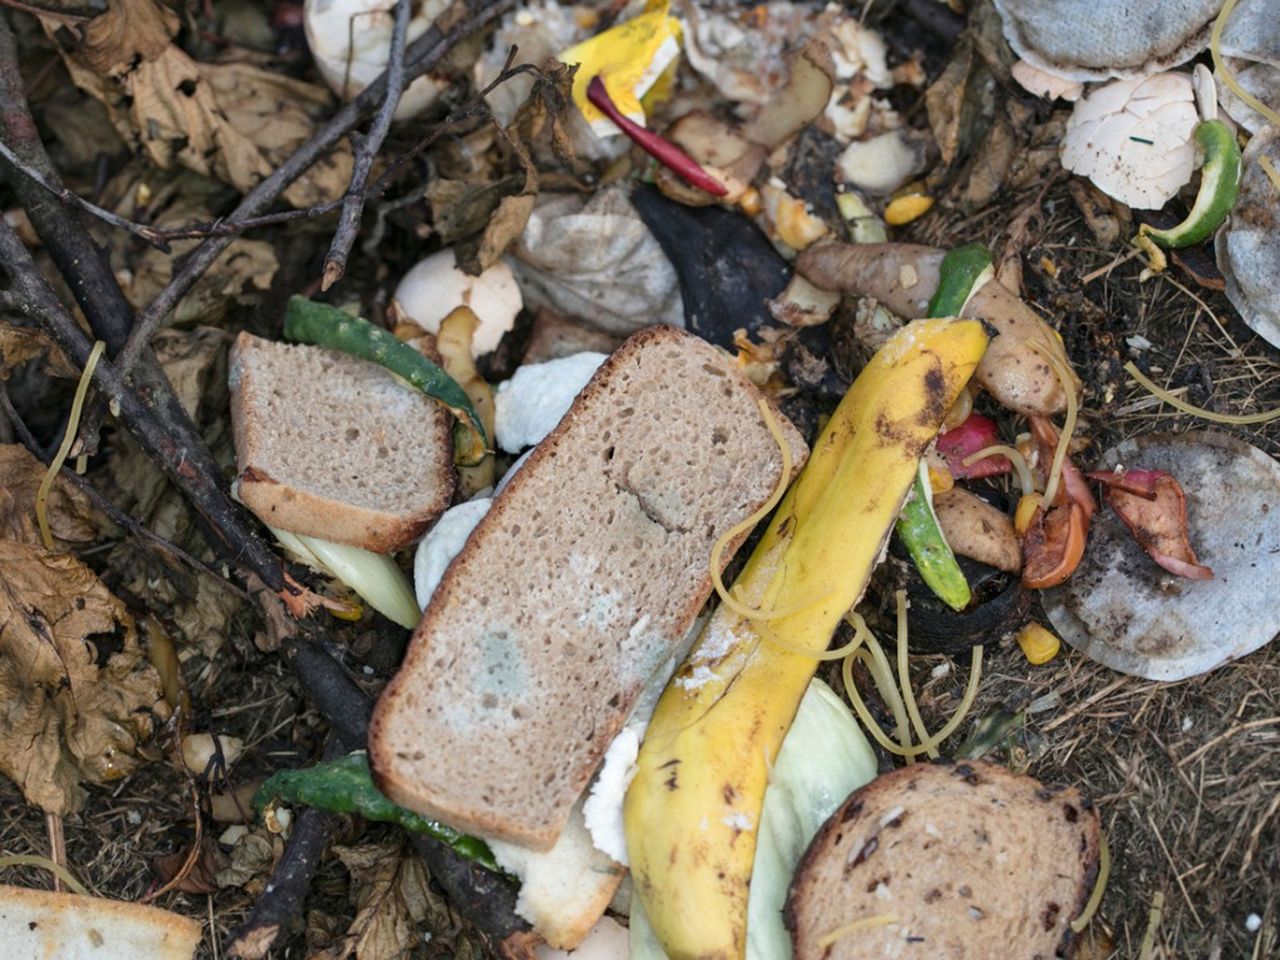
136, 528
222, 522
422, 55
281, 903
67, 196
366, 150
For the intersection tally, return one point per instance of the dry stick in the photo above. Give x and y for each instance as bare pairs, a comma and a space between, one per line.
117, 516
222, 523
422, 55
67, 196
366, 149
282, 901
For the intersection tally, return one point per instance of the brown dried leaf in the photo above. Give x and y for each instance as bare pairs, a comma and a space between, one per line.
79, 695
204, 117
20, 344
200, 879
252, 859
392, 899
70, 517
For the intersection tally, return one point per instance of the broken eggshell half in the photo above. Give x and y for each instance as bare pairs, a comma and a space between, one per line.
350, 41
1088, 40
1133, 139
435, 287
1122, 610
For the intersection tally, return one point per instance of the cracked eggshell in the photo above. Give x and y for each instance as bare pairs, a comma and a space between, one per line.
1132, 138
1248, 247
1046, 85
351, 40
884, 163
1092, 40
435, 287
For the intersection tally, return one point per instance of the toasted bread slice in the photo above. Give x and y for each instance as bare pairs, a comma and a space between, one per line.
962, 861
39, 924
332, 446
574, 589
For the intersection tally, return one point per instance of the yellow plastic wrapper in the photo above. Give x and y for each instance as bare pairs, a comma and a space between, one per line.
629, 58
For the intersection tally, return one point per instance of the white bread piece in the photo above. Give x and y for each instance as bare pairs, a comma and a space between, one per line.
969, 860
574, 589
332, 446
39, 924
564, 891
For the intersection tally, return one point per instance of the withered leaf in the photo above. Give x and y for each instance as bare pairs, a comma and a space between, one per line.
252, 859
200, 879
20, 344
70, 517
230, 121
79, 695
392, 899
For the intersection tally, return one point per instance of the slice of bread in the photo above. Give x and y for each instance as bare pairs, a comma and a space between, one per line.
575, 587
950, 861
332, 446
39, 923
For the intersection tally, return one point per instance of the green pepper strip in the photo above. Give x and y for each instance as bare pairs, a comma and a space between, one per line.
1219, 186
961, 274
923, 538
326, 326
346, 786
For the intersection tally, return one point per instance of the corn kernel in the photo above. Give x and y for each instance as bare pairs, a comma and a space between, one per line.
905, 209
1039, 645
940, 481
1026, 510
750, 202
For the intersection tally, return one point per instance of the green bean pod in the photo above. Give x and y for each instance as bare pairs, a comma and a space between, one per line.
920, 534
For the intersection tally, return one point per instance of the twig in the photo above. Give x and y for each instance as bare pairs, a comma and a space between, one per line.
422, 55
282, 901
189, 864
222, 522
57, 845
117, 516
366, 149
67, 196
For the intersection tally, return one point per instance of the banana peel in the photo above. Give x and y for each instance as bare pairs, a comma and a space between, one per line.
692, 810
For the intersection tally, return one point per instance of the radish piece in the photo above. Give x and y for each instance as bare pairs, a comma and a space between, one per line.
975, 433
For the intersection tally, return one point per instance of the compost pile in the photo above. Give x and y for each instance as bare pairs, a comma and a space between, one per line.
640, 479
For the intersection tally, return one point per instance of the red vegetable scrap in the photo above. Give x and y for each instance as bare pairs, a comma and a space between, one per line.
661, 149
975, 433
1152, 505
1054, 542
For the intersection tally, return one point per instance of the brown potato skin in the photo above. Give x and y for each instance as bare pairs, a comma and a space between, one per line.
904, 276
976, 529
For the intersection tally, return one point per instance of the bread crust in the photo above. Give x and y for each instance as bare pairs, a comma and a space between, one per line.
959, 783
393, 777
63, 924
293, 508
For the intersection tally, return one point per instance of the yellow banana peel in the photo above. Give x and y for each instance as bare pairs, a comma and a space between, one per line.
692, 810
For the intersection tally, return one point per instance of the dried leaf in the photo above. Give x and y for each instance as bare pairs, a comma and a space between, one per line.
230, 121
20, 344
200, 879
392, 899
252, 859
70, 517
79, 695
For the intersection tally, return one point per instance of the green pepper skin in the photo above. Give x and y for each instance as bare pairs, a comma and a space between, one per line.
1219, 187
958, 279
326, 326
923, 538
346, 786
